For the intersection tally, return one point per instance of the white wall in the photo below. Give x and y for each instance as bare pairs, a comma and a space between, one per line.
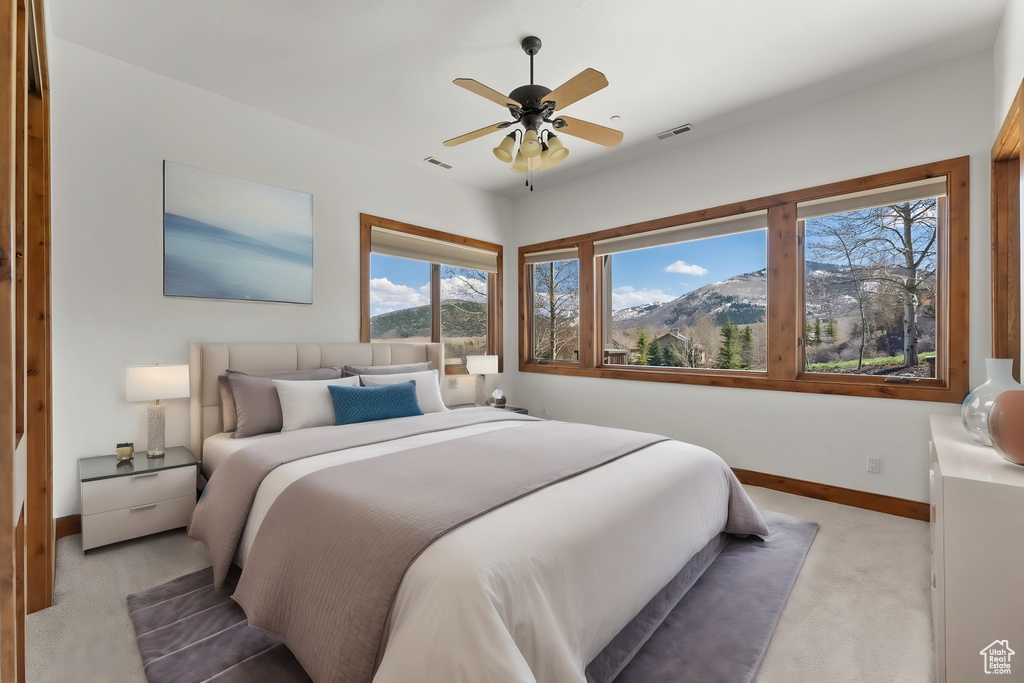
936, 114
1009, 58
113, 124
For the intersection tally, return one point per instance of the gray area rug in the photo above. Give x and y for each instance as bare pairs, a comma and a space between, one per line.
718, 631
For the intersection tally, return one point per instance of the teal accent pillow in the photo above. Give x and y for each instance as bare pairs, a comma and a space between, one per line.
366, 404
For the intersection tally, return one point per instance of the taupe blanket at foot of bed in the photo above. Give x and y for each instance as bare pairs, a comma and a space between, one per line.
719, 631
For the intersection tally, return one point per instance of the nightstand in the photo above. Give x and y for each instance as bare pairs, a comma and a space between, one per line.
521, 411
131, 498
513, 409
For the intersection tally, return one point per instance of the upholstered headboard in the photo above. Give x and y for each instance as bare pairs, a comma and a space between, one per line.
209, 360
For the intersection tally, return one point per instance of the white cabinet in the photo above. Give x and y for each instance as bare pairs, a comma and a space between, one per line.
127, 499
977, 558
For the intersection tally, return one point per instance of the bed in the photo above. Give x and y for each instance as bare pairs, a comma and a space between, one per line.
562, 583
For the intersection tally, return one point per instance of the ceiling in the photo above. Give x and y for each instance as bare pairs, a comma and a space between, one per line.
381, 71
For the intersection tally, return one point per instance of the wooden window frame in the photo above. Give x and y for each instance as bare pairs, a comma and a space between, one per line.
494, 283
784, 317
1006, 264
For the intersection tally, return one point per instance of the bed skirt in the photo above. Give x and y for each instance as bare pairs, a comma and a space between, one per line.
618, 653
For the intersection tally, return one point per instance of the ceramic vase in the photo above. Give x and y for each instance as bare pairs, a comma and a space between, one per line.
978, 404
1006, 426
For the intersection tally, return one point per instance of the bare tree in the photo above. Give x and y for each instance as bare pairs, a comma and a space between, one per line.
704, 334
463, 311
836, 238
556, 308
883, 250
906, 234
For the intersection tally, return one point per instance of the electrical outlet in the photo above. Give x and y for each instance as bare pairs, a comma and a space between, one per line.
453, 382
874, 465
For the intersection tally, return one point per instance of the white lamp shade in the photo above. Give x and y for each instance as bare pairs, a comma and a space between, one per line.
482, 365
152, 382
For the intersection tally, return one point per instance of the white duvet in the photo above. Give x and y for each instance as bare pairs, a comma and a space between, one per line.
534, 590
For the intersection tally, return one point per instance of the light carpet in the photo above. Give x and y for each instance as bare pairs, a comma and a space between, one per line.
859, 611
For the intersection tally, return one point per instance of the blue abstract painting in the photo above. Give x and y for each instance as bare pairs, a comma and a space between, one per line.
227, 238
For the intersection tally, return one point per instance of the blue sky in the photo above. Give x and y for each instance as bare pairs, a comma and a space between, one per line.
638, 277
397, 283
664, 273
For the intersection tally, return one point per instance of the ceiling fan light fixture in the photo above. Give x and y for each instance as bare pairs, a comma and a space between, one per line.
519, 165
537, 109
545, 158
557, 150
504, 150
531, 145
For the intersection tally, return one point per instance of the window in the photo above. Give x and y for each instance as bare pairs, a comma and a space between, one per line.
857, 288
422, 285
556, 306
693, 296
463, 311
871, 282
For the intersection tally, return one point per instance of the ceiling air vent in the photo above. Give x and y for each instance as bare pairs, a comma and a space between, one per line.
672, 132
437, 162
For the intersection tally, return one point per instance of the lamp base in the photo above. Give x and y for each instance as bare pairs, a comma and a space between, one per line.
481, 390
155, 431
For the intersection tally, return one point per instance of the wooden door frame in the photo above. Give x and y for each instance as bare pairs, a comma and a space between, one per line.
1006, 240
26, 507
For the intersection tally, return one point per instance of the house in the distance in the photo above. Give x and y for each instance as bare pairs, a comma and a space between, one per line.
692, 354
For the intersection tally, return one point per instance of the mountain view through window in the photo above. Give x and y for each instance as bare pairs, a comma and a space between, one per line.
870, 290
400, 305
695, 304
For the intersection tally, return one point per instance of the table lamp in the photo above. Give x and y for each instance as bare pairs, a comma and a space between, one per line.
152, 383
480, 366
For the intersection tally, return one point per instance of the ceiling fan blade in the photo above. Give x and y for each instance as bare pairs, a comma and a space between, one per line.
483, 91
609, 137
586, 82
476, 134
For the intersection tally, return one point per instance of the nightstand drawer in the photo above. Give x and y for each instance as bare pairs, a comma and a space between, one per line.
119, 525
102, 495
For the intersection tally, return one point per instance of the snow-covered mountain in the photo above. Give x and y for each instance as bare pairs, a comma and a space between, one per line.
742, 299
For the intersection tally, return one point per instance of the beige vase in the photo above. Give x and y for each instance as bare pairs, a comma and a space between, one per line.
1006, 426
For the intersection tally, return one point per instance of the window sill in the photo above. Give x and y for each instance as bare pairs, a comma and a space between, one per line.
860, 385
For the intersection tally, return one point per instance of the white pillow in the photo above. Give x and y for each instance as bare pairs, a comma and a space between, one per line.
428, 391
307, 403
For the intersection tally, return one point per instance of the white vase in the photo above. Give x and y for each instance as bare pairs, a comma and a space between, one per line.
978, 403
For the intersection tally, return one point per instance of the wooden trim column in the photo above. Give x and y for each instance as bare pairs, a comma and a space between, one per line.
40, 538
784, 279
11, 639
1006, 240
26, 519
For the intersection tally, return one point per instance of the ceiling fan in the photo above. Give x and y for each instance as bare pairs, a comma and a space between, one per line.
533, 106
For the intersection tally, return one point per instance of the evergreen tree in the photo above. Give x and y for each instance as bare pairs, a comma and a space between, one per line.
643, 342
728, 354
817, 331
670, 358
807, 331
832, 330
747, 347
654, 352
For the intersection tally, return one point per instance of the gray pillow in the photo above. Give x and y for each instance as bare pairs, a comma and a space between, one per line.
257, 405
351, 370
227, 403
